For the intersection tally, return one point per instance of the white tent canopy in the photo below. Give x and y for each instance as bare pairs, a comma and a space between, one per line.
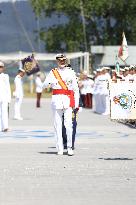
17, 56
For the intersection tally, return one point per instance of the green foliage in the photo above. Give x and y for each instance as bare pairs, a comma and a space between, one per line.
105, 20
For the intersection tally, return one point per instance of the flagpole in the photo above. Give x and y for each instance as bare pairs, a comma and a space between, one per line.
125, 63
117, 64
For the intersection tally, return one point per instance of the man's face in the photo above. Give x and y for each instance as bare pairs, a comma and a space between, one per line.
21, 74
103, 71
1, 69
131, 72
121, 72
126, 73
61, 63
107, 71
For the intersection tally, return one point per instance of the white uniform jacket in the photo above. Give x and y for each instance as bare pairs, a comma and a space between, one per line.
83, 90
61, 101
18, 87
129, 77
96, 87
89, 85
5, 91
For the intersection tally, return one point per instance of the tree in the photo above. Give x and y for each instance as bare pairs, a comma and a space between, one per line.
104, 22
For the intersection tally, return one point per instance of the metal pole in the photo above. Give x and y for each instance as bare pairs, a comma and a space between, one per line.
84, 61
81, 63
87, 62
84, 25
38, 28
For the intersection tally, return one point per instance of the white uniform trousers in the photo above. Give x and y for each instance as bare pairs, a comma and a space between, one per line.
3, 115
107, 105
98, 104
17, 107
57, 113
103, 104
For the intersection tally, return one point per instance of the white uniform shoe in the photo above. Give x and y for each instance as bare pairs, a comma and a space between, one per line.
18, 118
60, 152
70, 152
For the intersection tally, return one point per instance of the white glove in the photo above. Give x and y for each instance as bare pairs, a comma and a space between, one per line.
80, 109
14, 94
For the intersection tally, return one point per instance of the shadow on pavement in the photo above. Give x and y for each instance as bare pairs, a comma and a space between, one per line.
47, 152
116, 158
64, 153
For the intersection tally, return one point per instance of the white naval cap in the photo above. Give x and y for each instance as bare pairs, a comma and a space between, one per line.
114, 70
1, 64
22, 70
105, 68
122, 69
131, 67
60, 56
90, 76
126, 68
38, 73
94, 72
99, 70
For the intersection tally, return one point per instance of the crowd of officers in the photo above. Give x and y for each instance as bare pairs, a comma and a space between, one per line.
94, 89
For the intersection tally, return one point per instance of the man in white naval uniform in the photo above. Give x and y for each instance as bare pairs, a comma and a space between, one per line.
105, 78
38, 84
5, 98
65, 91
96, 92
18, 94
130, 76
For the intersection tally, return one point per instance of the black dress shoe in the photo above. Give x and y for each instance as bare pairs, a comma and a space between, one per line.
65, 146
73, 148
5, 130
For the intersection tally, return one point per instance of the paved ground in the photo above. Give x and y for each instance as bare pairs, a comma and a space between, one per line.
102, 172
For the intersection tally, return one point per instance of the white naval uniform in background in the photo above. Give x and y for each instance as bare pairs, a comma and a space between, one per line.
18, 94
61, 104
89, 86
38, 84
96, 95
105, 94
129, 77
83, 90
5, 98
101, 94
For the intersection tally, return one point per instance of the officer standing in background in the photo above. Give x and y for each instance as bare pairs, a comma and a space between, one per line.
39, 84
18, 93
65, 97
96, 91
5, 98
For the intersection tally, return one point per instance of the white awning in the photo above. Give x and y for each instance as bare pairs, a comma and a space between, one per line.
39, 56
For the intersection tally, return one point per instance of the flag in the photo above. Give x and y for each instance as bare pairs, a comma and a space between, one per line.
123, 50
30, 65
